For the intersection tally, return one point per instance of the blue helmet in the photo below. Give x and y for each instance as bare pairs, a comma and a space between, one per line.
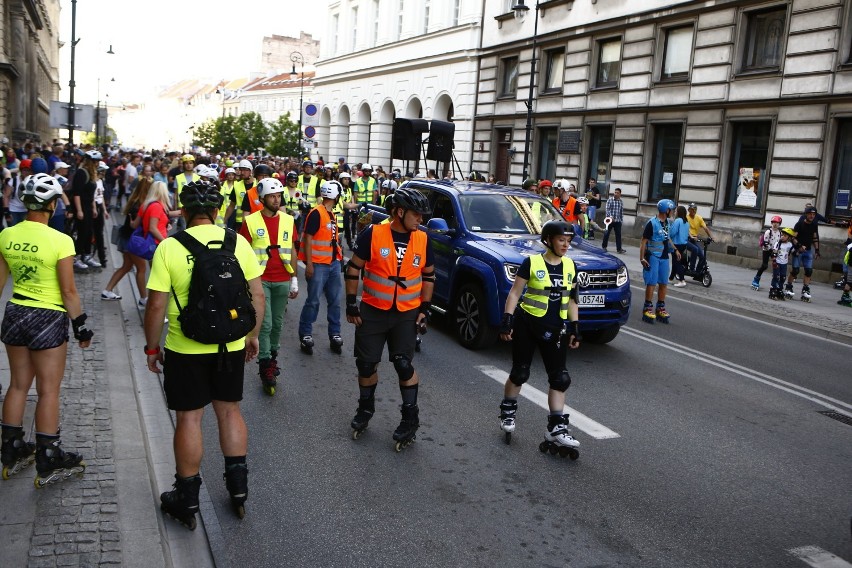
666, 205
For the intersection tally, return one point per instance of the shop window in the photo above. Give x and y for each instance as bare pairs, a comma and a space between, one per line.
554, 71
749, 154
609, 63
546, 153
841, 181
665, 169
764, 40
600, 152
678, 53
509, 76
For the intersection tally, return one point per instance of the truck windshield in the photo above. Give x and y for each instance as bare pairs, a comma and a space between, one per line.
489, 213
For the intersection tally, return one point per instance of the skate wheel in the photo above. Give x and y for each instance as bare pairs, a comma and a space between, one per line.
6, 473
398, 447
508, 437
269, 390
241, 511
356, 434
563, 452
192, 524
553, 450
39, 482
542, 447
573, 454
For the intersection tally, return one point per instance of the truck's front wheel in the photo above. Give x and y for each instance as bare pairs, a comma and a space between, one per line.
471, 318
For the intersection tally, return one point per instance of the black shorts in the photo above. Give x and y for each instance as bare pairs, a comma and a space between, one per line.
378, 327
193, 381
528, 335
34, 328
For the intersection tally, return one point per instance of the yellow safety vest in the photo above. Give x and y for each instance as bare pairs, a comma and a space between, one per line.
261, 243
240, 193
180, 181
339, 211
537, 295
310, 194
225, 190
364, 192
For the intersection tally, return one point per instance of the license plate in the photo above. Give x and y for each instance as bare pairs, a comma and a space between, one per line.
592, 300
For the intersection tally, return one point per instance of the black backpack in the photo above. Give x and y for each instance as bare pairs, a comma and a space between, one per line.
219, 308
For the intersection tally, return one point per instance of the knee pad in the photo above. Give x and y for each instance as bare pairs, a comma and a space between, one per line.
519, 374
403, 368
365, 369
560, 380
809, 272
794, 271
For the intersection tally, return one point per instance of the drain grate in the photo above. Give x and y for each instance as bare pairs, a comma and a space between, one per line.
840, 417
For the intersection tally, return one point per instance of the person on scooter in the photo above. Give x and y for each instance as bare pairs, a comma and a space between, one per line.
696, 225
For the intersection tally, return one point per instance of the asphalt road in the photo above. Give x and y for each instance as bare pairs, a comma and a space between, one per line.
705, 446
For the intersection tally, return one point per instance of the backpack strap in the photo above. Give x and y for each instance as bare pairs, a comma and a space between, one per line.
194, 247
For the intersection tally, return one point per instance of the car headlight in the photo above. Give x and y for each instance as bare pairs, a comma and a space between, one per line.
621, 276
511, 270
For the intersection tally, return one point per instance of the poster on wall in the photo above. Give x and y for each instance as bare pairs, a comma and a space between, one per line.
747, 188
603, 167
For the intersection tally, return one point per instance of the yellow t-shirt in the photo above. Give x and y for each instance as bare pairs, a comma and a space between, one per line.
696, 223
32, 251
172, 268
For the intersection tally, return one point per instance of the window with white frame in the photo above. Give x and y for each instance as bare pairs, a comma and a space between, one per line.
456, 11
508, 76
400, 19
609, 62
335, 30
554, 70
677, 53
427, 9
376, 7
354, 21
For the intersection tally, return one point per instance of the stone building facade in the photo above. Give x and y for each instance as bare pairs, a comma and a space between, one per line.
29, 72
743, 107
276, 50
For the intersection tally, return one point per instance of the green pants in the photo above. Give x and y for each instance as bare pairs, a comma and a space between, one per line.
277, 294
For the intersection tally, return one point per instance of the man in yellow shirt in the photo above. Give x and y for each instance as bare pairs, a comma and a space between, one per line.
696, 225
197, 374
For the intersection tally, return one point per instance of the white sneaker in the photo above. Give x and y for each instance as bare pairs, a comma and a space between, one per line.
91, 261
680, 284
109, 295
80, 266
142, 302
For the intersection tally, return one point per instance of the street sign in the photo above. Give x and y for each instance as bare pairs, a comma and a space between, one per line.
84, 116
310, 132
310, 115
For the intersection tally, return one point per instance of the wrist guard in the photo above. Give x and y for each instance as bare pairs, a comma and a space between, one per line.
507, 323
352, 309
574, 329
81, 332
424, 308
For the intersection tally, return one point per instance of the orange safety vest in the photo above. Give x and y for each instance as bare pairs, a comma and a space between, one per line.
254, 200
385, 283
324, 247
568, 211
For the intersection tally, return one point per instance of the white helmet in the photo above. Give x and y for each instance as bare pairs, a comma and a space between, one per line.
208, 173
582, 201
230, 171
331, 189
366, 166
200, 168
94, 155
561, 183
38, 190
102, 167
389, 184
245, 164
344, 175
269, 186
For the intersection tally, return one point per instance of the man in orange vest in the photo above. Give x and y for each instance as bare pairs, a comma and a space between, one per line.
399, 276
320, 251
567, 203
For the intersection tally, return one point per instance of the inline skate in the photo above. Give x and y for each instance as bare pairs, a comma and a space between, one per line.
845, 300
16, 453
662, 314
775, 294
274, 357
53, 464
406, 431
508, 409
558, 439
755, 284
417, 342
335, 342
236, 481
838, 285
788, 291
648, 314
181, 503
806, 293
267, 376
306, 344
366, 409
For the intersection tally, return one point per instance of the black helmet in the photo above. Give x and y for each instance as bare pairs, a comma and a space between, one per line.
292, 176
411, 199
555, 228
200, 195
389, 203
262, 170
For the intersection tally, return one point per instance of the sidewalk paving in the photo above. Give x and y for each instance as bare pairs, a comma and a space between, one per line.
114, 414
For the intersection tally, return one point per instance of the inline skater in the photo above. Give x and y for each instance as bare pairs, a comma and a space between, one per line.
197, 374
399, 277
768, 243
807, 236
846, 298
543, 317
271, 233
320, 251
780, 258
654, 255
35, 332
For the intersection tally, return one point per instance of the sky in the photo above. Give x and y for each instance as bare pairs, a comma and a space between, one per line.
223, 41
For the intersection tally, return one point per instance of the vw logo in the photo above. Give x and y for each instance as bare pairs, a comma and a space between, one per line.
583, 279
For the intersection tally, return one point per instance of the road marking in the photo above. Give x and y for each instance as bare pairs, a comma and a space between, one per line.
807, 334
581, 421
808, 394
818, 558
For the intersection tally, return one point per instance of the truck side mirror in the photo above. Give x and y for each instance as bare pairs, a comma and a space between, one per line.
439, 226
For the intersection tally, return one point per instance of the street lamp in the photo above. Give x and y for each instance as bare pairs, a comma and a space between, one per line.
297, 57
98, 108
521, 8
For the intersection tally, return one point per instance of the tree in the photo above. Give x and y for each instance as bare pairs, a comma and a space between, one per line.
251, 132
283, 137
206, 135
217, 135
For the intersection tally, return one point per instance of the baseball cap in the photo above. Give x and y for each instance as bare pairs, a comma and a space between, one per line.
59, 165
27, 164
810, 210
692, 206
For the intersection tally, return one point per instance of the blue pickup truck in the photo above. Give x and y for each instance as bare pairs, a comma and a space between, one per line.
480, 234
